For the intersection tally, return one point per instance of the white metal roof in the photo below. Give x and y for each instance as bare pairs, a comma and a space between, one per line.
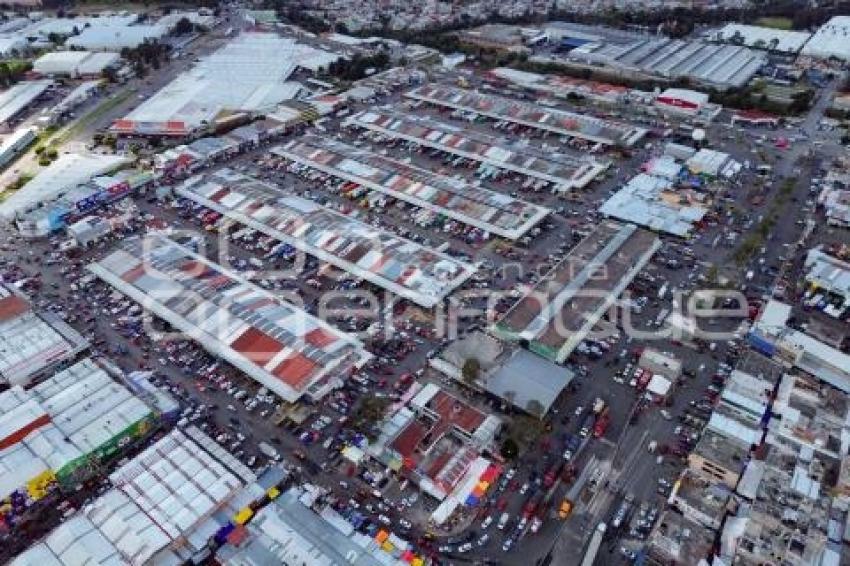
175, 483
248, 74
17, 97
828, 273
88, 406
640, 202
831, 40
765, 38
689, 95
28, 345
75, 542
65, 173
116, 38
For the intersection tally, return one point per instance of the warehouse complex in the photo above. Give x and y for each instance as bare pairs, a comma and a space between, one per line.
75, 64
415, 272
568, 302
488, 210
32, 343
721, 66
57, 433
280, 346
162, 507
831, 40
247, 75
536, 117
758, 37
19, 97
67, 172
564, 172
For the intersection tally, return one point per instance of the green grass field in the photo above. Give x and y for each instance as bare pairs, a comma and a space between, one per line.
775, 22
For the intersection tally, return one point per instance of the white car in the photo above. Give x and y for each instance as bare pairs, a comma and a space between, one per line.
579, 410
487, 522
465, 547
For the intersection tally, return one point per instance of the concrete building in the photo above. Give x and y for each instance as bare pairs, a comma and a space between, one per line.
494, 213
660, 363
420, 274
789, 519
679, 540
569, 301
836, 203
829, 278
439, 442
719, 458
810, 415
527, 381
772, 336
277, 344
89, 230
31, 343
699, 499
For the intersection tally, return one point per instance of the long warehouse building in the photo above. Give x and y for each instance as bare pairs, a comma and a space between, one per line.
420, 274
280, 346
570, 300
542, 118
488, 210
563, 171
162, 507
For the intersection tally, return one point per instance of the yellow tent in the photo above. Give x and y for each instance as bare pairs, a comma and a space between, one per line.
243, 516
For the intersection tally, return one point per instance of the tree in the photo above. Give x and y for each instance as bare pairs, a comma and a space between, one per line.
470, 370
535, 408
183, 27
509, 449
369, 413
